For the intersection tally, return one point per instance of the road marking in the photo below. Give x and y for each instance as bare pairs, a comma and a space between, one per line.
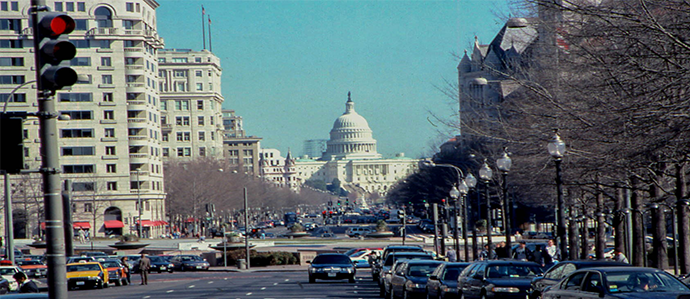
210, 282
263, 288
355, 292
146, 297
225, 278
275, 284
248, 294
191, 286
356, 287
170, 291
287, 280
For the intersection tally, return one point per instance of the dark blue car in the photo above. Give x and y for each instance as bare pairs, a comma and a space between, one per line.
504, 279
443, 282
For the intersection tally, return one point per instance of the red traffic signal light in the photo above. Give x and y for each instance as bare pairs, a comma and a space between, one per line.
54, 50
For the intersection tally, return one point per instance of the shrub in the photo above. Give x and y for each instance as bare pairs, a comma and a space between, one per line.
129, 238
263, 258
381, 226
296, 228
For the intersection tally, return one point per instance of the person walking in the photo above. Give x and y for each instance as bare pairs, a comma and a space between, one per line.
144, 266
522, 252
501, 250
554, 251
25, 285
82, 238
538, 256
128, 271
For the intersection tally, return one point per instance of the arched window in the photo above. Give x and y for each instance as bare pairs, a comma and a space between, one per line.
104, 17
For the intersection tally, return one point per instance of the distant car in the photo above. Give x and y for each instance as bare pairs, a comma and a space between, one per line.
77, 259
189, 262
376, 269
618, 282
386, 266
309, 226
358, 231
500, 279
563, 269
33, 268
361, 258
116, 271
443, 282
87, 274
332, 266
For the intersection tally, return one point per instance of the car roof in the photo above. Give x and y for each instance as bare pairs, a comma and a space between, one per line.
596, 263
411, 253
331, 253
626, 269
413, 262
507, 262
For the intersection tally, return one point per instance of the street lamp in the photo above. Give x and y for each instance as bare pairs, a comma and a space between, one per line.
455, 194
139, 203
504, 163
485, 173
556, 149
470, 182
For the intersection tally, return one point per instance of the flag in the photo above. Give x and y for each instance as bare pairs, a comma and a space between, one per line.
203, 11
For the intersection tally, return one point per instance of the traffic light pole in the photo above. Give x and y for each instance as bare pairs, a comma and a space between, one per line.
9, 225
55, 234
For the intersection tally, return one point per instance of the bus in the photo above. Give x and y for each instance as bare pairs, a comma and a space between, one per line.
290, 218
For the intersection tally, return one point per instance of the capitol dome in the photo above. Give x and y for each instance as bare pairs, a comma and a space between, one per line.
351, 137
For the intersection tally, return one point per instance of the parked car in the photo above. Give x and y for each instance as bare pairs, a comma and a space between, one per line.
563, 269
33, 268
443, 282
7, 272
501, 279
409, 280
77, 259
87, 274
5, 286
331, 266
617, 282
361, 258
387, 265
116, 271
189, 262
358, 231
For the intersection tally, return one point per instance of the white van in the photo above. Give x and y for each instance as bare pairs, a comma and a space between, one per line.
355, 232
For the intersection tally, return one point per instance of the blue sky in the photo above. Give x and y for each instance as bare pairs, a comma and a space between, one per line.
288, 65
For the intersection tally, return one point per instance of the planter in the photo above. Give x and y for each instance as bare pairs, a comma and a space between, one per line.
380, 235
297, 234
38, 244
231, 246
128, 245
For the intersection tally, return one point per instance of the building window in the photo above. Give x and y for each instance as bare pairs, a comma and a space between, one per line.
78, 151
182, 105
77, 168
110, 150
166, 137
166, 152
199, 86
81, 6
109, 132
58, 6
69, 6
199, 73
75, 97
11, 61
111, 168
112, 186
76, 133
164, 105
180, 86
202, 136
76, 115
179, 136
88, 208
107, 97
107, 79
106, 61
200, 104
129, 6
202, 152
11, 79
200, 120
108, 114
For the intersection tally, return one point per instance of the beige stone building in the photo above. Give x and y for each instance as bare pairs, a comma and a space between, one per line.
241, 151
191, 100
110, 148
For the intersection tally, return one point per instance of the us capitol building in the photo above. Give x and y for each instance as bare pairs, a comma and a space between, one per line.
350, 157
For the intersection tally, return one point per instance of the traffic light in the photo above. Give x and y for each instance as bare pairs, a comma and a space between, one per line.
54, 50
11, 145
338, 202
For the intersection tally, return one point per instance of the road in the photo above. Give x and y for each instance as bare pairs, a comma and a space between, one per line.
258, 285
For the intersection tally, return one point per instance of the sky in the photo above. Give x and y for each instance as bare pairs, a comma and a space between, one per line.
288, 65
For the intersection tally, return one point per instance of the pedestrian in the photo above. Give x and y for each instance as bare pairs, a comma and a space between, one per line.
24, 284
522, 252
81, 236
538, 256
488, 253
125, 262
86, 235
501, 250
554, 251
144, 266
618, 256
451, 255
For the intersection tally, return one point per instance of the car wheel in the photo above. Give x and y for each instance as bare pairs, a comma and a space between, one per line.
159, 271
106, 285
124, 282
462, 296
99, 285
170, 270
312, 279
351, 279
483, 296
118, 283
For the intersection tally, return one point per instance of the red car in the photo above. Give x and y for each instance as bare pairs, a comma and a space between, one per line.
33, 268
116, 271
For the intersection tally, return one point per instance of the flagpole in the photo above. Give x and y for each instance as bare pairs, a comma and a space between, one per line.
210, 47
203, 30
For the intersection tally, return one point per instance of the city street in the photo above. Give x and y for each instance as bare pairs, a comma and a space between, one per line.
252, 284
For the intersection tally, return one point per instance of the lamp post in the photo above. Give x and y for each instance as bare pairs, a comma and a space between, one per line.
455, 194
504, 163
556, 149
485, 173
139, 203
470, 182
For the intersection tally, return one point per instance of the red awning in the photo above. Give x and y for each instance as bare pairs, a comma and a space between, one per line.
190, 219
147, 223
113, 224
75, 225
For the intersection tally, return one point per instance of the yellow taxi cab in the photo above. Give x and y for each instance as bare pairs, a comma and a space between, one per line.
86, 274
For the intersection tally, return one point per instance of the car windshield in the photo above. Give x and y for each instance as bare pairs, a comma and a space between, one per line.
421, 270
190, 258
624, 282
109, 264
331, 259
7, 271
453, 273
157, 259
25, 263
83, 267
512, 271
